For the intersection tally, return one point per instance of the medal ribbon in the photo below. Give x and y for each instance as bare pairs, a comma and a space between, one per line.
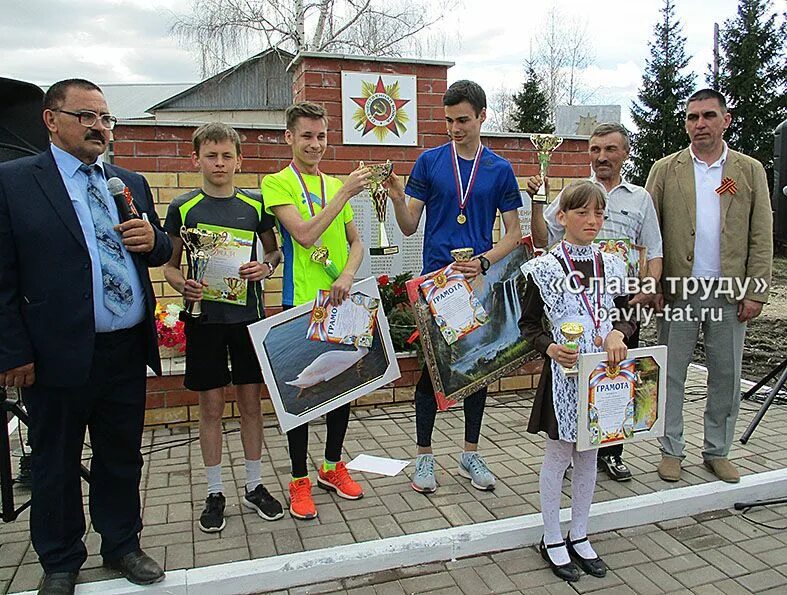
594, 316
306, 192
463, 194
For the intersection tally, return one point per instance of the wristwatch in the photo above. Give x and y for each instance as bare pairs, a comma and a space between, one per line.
485, 264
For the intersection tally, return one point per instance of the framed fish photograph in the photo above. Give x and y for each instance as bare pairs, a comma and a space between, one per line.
476, 359
306, 379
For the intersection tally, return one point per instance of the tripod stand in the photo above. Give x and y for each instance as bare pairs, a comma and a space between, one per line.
781, 370
7, 406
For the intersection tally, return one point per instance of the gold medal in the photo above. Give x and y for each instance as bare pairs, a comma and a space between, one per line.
461, 219
597, 341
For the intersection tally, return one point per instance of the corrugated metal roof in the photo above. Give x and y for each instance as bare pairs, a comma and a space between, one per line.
258, 83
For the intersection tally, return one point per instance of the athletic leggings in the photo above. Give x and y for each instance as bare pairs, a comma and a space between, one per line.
298, 440
426, 411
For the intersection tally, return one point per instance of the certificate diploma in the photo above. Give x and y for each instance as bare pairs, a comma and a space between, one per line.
223, 272
351, 323
456, 310
622, 403
611, 402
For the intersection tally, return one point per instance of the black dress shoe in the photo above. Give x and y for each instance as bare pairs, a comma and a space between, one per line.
615, 468
594, 567
568, 572
137, 567
58, 583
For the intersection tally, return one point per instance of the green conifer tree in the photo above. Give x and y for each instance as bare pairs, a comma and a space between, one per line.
531, 105
753, 77
658, 112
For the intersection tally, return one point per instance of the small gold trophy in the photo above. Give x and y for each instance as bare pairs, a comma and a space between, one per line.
321, 256
234, 284
462, 254
380, 173
571, 331
201, 246
545, 144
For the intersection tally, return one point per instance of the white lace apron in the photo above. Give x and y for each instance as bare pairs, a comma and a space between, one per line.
563, 306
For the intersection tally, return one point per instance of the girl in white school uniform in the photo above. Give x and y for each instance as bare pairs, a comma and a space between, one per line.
554, 410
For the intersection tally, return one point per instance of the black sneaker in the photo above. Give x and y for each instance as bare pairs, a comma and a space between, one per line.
212, 518
614, 466
267, 506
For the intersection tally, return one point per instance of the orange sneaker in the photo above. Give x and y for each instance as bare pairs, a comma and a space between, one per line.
301, 502
340, 482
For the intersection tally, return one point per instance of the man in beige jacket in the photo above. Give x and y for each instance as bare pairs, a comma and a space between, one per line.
716, 223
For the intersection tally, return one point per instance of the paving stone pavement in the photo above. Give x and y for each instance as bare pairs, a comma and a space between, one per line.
685, 551
697, 557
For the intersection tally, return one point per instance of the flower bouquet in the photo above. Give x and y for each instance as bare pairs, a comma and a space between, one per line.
401, 320
170, 330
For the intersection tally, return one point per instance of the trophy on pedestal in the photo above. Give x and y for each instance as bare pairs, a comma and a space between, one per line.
201, 246
545, 144
572, 331
380, 173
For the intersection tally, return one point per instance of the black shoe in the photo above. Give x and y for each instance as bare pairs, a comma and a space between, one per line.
137, 567
212, 518
568, 572
614, 467
58, 583
267, 506
594, 567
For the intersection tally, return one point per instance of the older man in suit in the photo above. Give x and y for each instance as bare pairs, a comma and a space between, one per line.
77, 328
716, 222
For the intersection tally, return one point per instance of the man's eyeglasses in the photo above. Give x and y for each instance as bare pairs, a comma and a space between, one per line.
89, 119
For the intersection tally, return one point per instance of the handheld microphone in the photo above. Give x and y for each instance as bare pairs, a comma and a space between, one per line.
117, 189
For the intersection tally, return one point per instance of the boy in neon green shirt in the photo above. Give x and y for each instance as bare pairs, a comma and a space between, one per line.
312, 212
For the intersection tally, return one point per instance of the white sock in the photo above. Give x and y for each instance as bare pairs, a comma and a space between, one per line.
253, 473
557, 456
583, 484
215, 486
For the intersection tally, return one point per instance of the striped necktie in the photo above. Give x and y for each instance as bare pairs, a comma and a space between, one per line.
118, 296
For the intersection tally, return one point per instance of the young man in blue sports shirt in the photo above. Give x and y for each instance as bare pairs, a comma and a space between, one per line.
462, 185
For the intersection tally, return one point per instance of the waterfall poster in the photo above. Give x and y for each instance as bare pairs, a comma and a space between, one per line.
307, 379
489, 352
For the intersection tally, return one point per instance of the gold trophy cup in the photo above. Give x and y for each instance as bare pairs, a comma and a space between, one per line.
201, 246
572, 331
545, 144
234, 284
380, 173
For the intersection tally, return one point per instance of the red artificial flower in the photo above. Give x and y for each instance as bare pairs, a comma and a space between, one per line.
399, 290
383, 280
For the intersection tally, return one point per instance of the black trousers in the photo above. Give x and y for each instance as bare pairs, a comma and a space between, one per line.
617, 449
426, 412
111, 406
